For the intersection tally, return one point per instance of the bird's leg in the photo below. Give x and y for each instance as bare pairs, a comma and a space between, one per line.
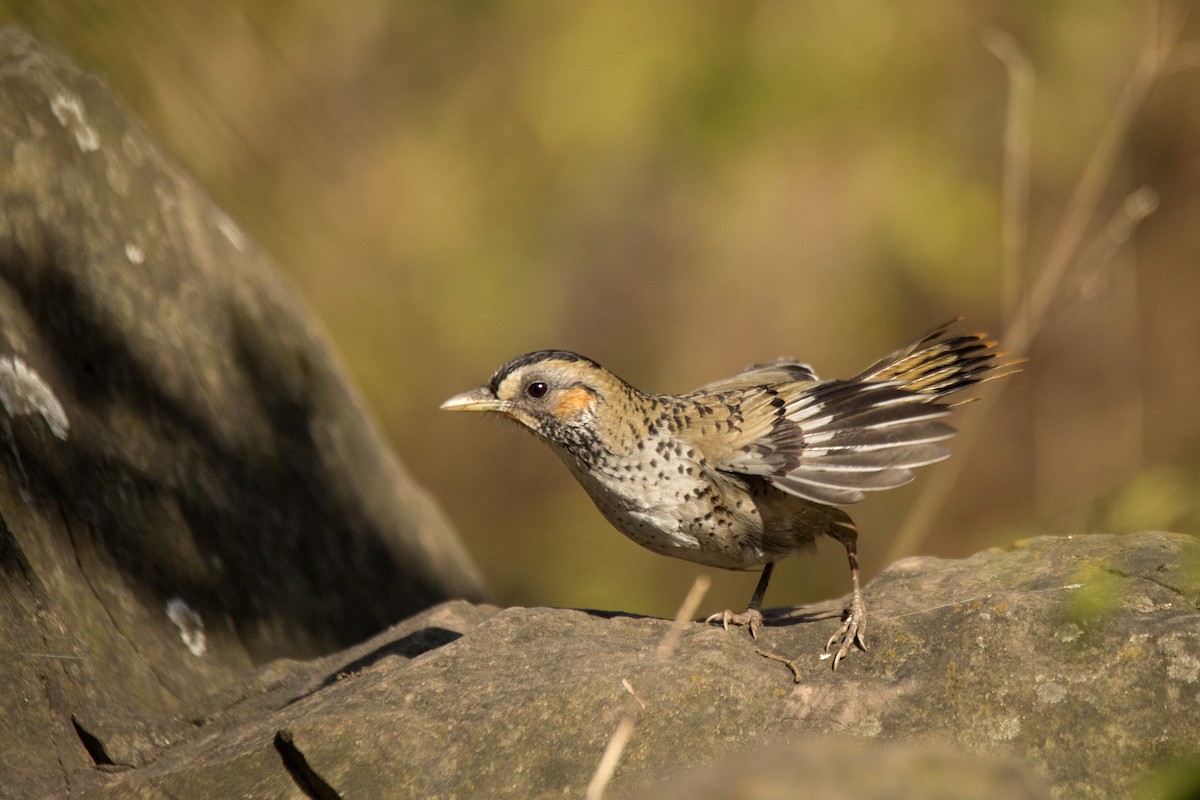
752, 617
854, 618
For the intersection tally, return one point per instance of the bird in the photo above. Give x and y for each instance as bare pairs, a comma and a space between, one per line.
747, 470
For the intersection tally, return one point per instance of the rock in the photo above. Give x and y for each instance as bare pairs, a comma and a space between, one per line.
189, 487
1064, 667
836, 768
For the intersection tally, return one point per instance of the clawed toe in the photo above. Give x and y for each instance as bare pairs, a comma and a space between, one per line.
846, 638
854, 626
751, 618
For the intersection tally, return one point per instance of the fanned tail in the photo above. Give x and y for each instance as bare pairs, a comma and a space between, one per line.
839, 439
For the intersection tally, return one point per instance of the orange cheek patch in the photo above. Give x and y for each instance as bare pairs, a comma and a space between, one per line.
572, 402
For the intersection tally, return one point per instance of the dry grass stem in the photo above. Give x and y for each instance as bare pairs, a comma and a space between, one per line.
1015, 187
625, 727
612, 756
1031, 313
1032, 307
687, 611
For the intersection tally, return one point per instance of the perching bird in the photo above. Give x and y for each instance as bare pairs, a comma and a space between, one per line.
750, 469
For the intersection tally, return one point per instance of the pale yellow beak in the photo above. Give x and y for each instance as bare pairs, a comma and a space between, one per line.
480, 399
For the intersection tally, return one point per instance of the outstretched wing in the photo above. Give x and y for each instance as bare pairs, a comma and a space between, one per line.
831, 442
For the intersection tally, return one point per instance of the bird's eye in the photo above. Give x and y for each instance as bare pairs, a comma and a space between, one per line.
536, 389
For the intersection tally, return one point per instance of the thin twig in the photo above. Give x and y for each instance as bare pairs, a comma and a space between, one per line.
797, 675
1102, 252
625, 727
1015, 182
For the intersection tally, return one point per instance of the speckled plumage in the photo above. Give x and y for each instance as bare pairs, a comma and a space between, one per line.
750, 469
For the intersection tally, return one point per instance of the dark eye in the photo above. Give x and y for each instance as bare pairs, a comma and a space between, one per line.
536, 389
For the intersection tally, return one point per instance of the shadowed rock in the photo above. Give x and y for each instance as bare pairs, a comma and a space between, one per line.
188, 485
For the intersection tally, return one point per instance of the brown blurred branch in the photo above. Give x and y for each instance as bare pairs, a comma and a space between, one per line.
1017, 137
1081, 209
1029, 314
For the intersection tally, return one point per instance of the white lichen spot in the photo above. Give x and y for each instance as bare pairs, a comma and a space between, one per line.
1003, 729
22, 391
231, 231
191, 627
1140, 602
1182, 661
1051, 692
1145, 604
69, 111
134, 253
1068, 633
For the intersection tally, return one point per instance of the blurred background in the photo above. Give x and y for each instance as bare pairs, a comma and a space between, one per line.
679, 189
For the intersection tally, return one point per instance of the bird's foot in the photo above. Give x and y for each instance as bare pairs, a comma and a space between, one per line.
854, 625
751, 618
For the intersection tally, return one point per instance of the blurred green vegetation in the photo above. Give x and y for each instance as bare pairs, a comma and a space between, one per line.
1177, 778
682, 188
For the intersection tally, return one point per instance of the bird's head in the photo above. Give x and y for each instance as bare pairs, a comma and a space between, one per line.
556, 394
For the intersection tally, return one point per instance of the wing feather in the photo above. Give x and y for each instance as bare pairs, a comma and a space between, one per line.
833, 441
782, 371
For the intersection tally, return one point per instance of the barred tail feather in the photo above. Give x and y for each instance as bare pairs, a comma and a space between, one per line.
851, 438
837, 440
937, 366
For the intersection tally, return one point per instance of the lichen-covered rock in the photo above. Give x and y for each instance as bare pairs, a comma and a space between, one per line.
188, 485
1066, 667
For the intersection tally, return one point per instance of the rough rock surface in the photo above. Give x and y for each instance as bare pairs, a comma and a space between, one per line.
1064, 667
188, 486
